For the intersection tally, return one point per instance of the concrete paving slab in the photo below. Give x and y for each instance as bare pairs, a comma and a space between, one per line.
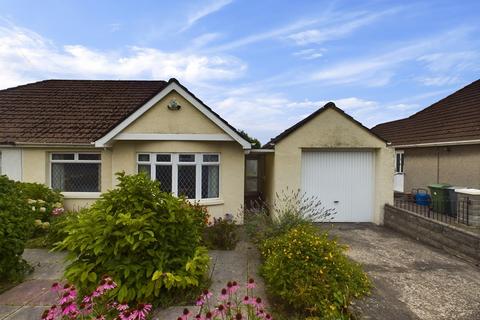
7, 310
27, 313
25, 292
47, 264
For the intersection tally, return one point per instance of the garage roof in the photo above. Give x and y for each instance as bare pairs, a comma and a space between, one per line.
329, 105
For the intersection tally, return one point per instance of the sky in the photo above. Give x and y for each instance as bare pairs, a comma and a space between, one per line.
262, 65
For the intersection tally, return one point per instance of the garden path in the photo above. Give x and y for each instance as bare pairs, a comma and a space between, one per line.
28, 300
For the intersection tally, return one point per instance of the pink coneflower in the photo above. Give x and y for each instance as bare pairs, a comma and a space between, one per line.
251, 284
208, 315
125, 315
235, 286
200, 301
121, 306
223, 295
70, 309
185, 315
87, 299
221, 310
230, 289
68, 296
238, 316
257, 302
56, 287
100, 317
107, 283
206, 294
246, 300
141, 311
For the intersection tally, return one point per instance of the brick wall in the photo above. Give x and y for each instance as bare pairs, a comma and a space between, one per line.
435, 233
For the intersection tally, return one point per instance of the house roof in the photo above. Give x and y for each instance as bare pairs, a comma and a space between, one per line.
329, 105
454, 118
73, 111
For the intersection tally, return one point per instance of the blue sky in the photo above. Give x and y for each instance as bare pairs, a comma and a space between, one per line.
263, 65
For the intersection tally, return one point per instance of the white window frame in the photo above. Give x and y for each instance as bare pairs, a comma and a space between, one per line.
175, 163
76, 194
402, 157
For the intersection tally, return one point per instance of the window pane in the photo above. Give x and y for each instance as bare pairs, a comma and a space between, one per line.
76, 177
163, 158
89, 156
164, 175
63, 156
210, 158
144, 157
251, 184
210, 181
145, 168
251, 168
186, 181
187, 158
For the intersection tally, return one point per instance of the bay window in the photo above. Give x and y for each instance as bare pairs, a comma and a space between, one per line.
193, 175
75, 172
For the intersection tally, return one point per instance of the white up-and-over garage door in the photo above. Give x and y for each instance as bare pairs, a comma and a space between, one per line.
342, 180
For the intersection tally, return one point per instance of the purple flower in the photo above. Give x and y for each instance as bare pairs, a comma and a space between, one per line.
223, 295
56, 287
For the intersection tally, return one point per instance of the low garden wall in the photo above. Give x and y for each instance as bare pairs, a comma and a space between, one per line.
435, 233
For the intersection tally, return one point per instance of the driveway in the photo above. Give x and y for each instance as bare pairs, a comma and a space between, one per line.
412, 280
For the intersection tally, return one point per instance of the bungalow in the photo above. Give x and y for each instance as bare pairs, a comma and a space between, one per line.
74, 135
440, 144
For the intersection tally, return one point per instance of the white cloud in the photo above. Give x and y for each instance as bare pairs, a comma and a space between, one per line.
438, 80
211, 7
447, 61
378, 70
337, 29
309, 54
26, 55
265, 115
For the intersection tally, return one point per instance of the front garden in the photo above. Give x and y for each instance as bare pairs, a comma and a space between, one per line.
138, 248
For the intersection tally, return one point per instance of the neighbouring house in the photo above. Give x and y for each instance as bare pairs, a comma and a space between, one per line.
74, 135
440, 144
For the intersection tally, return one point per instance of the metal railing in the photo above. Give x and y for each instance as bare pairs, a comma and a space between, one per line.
452, 212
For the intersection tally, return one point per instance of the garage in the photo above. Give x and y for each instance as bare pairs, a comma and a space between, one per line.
342, 180
332, 156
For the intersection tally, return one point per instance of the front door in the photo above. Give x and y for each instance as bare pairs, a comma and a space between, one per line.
399, 175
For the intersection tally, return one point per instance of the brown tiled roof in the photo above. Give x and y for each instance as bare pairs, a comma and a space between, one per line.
69, 111
454, 118
329, 105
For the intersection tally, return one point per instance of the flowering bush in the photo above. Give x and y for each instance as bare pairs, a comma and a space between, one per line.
221, 234
95, 305
229, 305
311, 273
16, 224
290, 209
147, 240
44, 202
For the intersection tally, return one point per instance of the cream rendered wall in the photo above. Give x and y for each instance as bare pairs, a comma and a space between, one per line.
159, 119
332, 130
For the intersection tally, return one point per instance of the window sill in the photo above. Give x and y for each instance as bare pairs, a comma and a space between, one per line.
81, 195
207, 202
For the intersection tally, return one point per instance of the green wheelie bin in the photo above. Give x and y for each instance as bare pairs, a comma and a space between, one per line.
439, 192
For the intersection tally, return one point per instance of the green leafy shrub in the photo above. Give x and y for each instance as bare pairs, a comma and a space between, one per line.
145, 239
16, 224
221, 234
41, 198
311, 273
290, 209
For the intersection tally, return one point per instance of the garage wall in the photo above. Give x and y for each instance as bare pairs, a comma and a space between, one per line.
332, 130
